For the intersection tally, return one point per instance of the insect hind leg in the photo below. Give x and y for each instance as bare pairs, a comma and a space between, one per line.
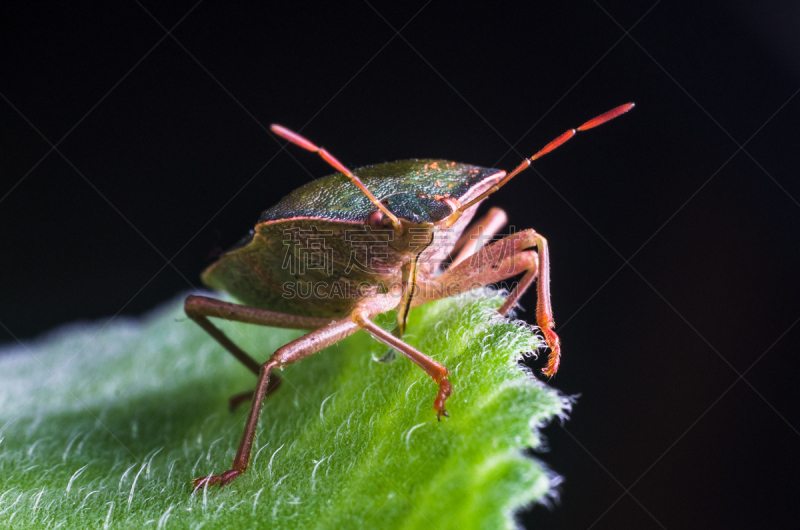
200, 308
288, 354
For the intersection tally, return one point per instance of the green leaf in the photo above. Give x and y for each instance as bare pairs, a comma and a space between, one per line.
105, 425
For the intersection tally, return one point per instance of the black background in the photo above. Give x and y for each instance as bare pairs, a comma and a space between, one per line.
673, 230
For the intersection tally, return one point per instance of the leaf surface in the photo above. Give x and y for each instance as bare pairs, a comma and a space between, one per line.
105, 425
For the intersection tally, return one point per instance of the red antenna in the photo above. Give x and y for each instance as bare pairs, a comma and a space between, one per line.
296, 139
558, 142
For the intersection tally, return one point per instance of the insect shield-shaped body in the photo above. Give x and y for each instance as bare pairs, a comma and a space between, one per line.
341, 249
325, 246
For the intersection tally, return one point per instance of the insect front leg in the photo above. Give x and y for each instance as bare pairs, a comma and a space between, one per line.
478, 234
285, 355
544, 309
362, 315
496, 262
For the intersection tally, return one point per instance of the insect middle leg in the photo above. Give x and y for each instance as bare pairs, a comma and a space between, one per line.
288, 354
496, 262
362, 315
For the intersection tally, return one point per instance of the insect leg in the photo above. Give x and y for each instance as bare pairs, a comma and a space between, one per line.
500, 260
200, 308
285, 355
481, 232
243, 397
362, 316
544, 310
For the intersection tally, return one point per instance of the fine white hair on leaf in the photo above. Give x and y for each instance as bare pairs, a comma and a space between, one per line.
566, 406
409, 389
455, 370
210, 447
497, 390
272, 458
255, 458
294, 500
124, 476
274, 486
527, 371
197, 463
322, 406
364, 393
72, 440
255, 499
162, 521
553, 496
328, 468
36, 503
13, 503
4, 495
74, 476
291, 447
412, 429
133, 486
37, 420
84, 438
169, 475
232, 508
317, 463
150, 461
345, 423
37, 442
205, 497
86, 499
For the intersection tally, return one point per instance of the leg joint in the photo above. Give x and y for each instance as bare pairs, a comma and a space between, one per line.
190, 306
271, 363
359, 316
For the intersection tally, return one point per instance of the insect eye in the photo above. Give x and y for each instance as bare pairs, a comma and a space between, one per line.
376, 220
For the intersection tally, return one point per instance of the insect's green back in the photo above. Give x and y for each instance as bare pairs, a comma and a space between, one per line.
258, 270
411, 189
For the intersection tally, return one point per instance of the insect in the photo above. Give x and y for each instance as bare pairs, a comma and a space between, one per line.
311, 263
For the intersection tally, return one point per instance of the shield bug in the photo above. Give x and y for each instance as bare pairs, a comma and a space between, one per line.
311, 263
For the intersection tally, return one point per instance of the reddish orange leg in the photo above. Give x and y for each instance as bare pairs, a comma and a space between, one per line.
362, 316
290, 353
243, 397
544, 310
200, 308
500, 260
478, 235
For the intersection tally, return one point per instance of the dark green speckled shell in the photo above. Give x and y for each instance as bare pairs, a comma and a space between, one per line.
407, 187
254, 271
